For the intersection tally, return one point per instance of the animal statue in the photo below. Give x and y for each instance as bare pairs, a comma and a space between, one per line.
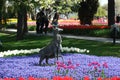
52, 50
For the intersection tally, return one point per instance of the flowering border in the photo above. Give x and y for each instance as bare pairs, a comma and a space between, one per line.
61, 78
32, 51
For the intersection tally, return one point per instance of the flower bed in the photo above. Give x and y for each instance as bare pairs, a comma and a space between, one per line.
60, 78
75, 24
84, 27
32, 51
25, 66
74, 28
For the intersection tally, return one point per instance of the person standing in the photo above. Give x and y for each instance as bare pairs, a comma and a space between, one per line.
42, 19
55, 19
46, 21
40, 22
118, 18
37, 22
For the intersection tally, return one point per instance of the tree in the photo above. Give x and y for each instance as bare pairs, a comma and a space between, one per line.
22, 7
111, 12
117, 7
75, 5
2, 11
1, 8
22, 21
101, 12
87, 10
62, 6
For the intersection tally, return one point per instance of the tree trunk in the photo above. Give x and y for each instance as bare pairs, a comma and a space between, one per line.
1, 8
20, 26
25, 29
0, 16
22, 22
111, 12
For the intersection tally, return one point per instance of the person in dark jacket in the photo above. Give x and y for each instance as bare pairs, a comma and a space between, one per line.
55, 19
118, 18
40, 22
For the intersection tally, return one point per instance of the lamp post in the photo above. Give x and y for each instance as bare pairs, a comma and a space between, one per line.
114, 29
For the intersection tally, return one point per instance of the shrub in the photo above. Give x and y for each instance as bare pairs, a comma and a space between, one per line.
14, 26
88, 32
31, 28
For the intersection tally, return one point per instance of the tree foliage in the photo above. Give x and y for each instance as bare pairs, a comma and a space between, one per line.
87, 10
22, 7
1, 8
75, 5
2, 11
101, 12
117, 6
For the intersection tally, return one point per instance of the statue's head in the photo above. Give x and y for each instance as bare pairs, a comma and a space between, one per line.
56, 30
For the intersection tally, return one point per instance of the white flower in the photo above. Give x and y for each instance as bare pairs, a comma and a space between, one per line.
77, 50
15, 52
63, 49
87, 51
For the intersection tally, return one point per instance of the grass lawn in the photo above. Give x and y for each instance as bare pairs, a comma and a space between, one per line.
32, 42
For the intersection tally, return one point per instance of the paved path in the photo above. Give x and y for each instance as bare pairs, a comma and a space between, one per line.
72, 36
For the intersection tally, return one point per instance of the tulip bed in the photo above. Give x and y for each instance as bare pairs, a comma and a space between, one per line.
98, 31
60, 78
83, 27
75, 24
74, 27
26, 66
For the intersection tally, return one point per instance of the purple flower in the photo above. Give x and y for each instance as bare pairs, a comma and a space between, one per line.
25, 66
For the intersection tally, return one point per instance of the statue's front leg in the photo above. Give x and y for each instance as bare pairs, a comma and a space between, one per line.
56, 58
41, 59
47, 60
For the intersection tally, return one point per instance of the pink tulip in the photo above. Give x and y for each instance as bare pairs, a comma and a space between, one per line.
105, 65
69, 62
86, 78
71, 67
95, 67
77, 65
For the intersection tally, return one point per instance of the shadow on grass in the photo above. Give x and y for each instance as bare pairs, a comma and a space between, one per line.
29, 42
